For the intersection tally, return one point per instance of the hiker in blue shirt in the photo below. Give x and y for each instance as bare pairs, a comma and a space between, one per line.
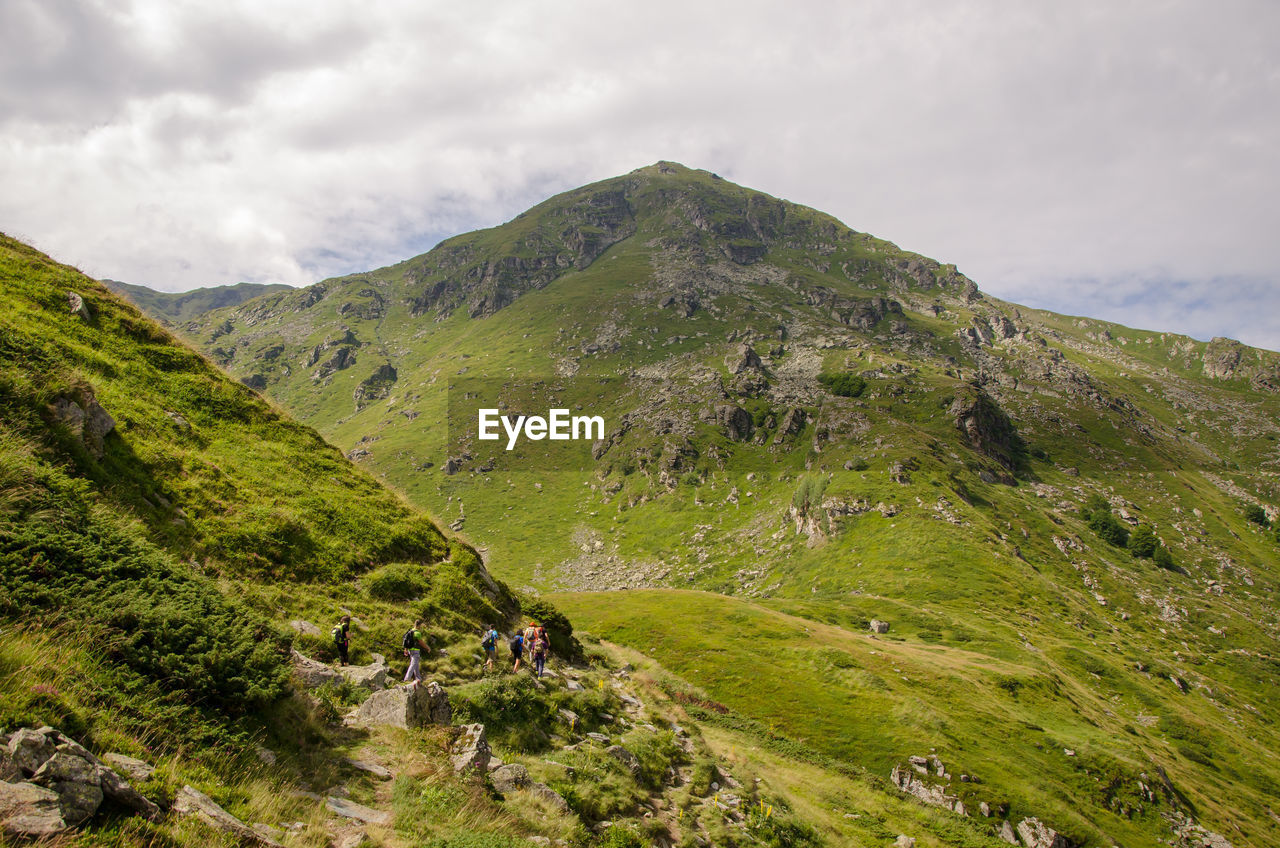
517, 649
490, 645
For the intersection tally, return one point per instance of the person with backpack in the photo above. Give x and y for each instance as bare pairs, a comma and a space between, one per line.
490, 645
540, 648
342, 638
414, 643
517, 649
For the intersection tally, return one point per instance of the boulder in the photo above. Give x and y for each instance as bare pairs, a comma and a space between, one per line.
736, 421
28, 750
408, 707
29, 810
574, 686
510, 777
115, 788
599, 737
81, 413
192, 802
549, 796
128, 767
1007, 834
359, 812
372, 676
628, 759
1036, 834
470, 751
75, 781
904, 841
878, 626
305, 628
312, 674
77, 306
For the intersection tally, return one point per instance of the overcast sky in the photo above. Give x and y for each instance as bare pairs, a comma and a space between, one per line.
1113, 159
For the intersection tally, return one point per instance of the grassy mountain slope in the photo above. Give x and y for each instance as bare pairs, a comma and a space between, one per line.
177, 307
890, 443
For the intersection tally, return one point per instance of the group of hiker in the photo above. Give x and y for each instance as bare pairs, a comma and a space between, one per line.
531, 641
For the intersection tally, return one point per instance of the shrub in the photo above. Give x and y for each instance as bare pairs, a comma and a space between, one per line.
846, 384
808, 494
509, 708
559, 628
1257, 515
1143, 543
1108, 528
1163, 559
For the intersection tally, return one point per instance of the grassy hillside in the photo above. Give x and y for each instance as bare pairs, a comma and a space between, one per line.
890, 443
179, 307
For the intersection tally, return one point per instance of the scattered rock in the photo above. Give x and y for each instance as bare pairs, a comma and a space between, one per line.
359, 812
470, 752
192, 802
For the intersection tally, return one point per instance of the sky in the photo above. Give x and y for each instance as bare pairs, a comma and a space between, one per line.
1113, 159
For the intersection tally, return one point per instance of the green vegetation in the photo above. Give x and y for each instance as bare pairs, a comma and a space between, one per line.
845, 385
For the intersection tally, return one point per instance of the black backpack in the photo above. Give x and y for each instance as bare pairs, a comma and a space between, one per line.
516, 644
409, 642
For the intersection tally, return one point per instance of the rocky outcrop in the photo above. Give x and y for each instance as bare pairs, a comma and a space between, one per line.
192, 802
470, 751
1222, 358
53, 783
933, 794
735, 421
408, 707
343, 357
986, 427
743, 360
376, 386
80, 412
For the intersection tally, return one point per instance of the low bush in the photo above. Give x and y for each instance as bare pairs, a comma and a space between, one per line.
846, 384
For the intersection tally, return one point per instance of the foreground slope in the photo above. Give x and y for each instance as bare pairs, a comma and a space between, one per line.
816, 419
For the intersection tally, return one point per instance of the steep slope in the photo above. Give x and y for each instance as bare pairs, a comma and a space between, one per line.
808, 416
175, 307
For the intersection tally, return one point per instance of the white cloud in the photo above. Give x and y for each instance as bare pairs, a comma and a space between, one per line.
182, 144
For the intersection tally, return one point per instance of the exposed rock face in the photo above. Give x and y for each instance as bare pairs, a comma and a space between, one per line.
407, 706
343, 357
792, 423
81, 413
930, 793
1222, 358
1035, 834
470, 751
192, 802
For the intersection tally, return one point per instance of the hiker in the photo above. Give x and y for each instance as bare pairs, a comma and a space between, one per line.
540, 648
517, 649
414, 644
342, 638
490, 645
